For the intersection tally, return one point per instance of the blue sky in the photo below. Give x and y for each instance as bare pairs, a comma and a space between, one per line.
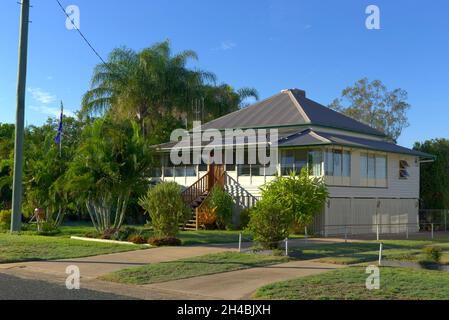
318, 46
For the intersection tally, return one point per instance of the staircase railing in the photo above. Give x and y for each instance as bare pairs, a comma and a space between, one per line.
204, 208
195, 190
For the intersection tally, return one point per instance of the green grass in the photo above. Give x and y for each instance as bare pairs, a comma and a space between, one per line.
349, 284
17, 248
192, 267
360, 252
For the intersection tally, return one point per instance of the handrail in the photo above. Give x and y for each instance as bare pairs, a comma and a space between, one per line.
195, 190
206, 183
204, 206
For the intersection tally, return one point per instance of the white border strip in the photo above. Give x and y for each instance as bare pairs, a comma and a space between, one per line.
108, 241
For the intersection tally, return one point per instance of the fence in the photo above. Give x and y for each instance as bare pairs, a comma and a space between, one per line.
421, 230
435, 216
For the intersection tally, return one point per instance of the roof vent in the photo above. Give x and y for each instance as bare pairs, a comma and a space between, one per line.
296, 91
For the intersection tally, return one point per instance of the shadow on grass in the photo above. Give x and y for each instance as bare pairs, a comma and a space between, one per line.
352, 253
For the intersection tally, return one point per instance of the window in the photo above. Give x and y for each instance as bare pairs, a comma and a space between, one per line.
255, 170
338, 163
403, 170
373, 166
191, 171
315, 161
293, 160
381, 167
364, 165
180, 171
346, 164
244, 170
329, 164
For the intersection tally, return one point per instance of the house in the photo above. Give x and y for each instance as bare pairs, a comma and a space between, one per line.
372, 182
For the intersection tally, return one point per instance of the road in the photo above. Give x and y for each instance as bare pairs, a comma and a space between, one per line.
14, 288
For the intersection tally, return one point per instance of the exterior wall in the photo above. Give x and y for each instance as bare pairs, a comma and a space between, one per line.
355, 205
394, 188
361, 216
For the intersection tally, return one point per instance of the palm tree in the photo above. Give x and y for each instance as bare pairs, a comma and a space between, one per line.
112, 162
145, 85
223, 99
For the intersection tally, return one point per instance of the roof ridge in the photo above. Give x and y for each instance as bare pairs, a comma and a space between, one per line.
298, 106
243, 109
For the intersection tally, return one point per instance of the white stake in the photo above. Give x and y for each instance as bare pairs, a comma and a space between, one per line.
286, 247
380, 254
240, 242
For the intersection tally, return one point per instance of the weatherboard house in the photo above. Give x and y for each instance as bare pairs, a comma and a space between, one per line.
372, 182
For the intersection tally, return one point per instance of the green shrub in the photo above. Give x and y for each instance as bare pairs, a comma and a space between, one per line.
222, 203
109, 234
244, 218
167, 241
48, 229
433, 253
166, 208
301, 195
124, 233
5, 219
269, 223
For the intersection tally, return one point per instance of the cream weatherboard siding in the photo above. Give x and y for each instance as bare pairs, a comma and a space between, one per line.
357, 209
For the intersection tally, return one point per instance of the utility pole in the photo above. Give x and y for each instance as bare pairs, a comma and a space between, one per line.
20, 115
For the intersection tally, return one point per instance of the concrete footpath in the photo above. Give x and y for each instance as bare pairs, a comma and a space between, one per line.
229, 285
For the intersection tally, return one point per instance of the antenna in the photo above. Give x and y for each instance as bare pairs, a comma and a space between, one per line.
198, 109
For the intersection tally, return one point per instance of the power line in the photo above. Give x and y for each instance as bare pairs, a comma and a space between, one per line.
81, 34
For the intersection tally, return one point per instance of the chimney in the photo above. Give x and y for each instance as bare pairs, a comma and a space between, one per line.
296, 91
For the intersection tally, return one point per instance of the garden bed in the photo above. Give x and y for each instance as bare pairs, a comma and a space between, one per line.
107, 241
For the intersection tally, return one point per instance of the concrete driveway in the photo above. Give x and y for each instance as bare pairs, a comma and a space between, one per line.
229, 285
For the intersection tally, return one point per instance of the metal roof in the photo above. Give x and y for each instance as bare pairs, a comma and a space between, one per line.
315, 138
288, 108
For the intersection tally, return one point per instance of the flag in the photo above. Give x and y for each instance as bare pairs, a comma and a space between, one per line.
59, 134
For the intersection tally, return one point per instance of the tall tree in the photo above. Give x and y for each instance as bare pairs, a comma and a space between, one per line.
223, 99
373, 104
112, 161
434, 178
145, 85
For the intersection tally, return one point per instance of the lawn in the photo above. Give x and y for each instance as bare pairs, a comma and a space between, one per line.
367, 251
15, 248
192, 267
349, 284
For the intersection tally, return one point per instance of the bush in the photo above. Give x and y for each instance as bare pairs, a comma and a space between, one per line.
137, 239
244, 218
433, 254
5, 219
301, 195
167, 241
166, 208
124, 233
109, 234
222, 203
48, 229
208, 219
269, 223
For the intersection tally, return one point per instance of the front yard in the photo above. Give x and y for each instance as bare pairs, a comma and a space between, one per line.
193, 267
32, 247
349, 284
14, 248
368, 251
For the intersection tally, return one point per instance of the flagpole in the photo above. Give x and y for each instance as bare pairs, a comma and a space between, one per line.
60, 141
